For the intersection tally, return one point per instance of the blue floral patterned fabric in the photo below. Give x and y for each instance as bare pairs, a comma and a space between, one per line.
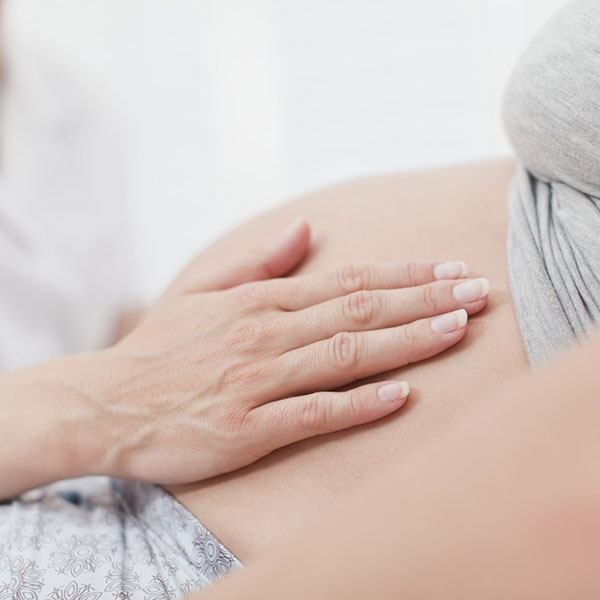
100, 539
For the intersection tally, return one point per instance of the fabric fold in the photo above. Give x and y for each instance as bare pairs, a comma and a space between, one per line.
554, 263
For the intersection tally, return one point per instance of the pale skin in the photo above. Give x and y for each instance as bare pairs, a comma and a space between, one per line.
447, 459
231, 364
504, 504
227, 368
459, 212
496, 497
438, 529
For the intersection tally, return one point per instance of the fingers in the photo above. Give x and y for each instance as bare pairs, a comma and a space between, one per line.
349, 356
301, 292
287, 421
376, 309
284, 253
278, 259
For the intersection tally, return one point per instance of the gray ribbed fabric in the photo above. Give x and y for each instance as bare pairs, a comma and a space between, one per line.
552, 116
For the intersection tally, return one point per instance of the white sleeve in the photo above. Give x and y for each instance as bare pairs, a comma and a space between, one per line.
66, 264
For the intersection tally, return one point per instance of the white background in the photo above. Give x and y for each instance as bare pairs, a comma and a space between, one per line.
228, 107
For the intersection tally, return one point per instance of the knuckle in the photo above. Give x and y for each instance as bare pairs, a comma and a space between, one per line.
239, 334
355, 405
250, 333
431, 300
409, 335
229, 378
315, 414
240, 431
234, 421
411, 273
353, 278
264, 333
249, 296
359, 308
248, 377
343, 350
239, 376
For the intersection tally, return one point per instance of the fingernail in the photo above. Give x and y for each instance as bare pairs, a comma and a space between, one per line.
450, 322
450, 270
471, 291
393, 392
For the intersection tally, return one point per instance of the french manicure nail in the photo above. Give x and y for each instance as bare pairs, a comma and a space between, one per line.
471, 291
393, 392
450, 270
450, 322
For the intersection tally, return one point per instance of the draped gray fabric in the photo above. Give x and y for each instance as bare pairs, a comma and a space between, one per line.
554, 263
552, 116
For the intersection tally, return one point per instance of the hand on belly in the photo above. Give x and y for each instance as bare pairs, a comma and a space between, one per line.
458, 212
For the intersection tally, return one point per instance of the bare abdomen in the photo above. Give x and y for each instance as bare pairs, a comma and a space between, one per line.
456, 213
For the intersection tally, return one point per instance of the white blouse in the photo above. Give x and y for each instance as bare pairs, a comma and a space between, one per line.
66, 268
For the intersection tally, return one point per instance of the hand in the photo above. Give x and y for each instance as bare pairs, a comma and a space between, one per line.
54, 423
279, 259
213, 380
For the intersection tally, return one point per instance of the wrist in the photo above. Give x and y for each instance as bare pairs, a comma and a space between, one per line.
90, 429
59, 427
102, 429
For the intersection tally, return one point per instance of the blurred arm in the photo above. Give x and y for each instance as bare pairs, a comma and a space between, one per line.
52, 425
507, 505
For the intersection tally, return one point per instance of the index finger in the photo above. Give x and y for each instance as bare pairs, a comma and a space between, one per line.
303, 291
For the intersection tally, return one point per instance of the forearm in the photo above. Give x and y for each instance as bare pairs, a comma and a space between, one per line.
506, 505
51, 424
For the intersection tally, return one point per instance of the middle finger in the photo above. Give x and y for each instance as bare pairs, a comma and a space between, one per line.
378, 309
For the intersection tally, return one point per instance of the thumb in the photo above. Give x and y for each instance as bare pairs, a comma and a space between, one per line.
286, 251
278, 258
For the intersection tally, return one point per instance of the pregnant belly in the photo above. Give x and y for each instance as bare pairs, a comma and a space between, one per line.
456, 213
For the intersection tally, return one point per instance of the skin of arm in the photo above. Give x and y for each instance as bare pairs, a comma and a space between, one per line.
225, 370
49, 426
54, 424
506, 504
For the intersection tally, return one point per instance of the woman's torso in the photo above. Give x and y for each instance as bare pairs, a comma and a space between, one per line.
457, 213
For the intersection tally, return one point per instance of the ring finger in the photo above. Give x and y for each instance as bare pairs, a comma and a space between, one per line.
378, 309
350, 356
